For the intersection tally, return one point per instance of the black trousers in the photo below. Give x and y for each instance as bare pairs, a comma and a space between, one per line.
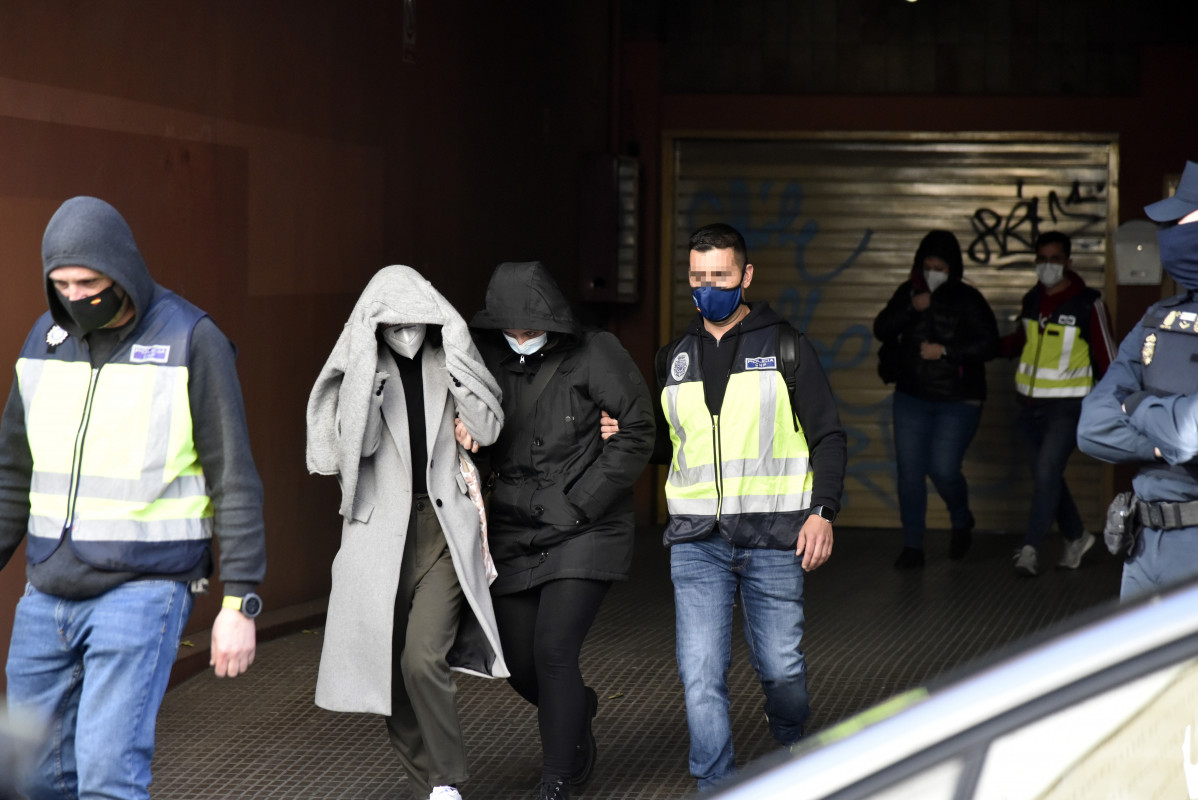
542, 631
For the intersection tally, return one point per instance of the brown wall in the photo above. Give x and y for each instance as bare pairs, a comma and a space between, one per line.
270, 156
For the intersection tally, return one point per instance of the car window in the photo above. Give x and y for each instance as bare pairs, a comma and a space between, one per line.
1125, 742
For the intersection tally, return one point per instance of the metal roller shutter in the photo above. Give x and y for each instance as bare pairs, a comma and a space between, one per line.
832, 222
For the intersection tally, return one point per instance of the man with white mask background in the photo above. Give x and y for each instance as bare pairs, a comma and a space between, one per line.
1064, 347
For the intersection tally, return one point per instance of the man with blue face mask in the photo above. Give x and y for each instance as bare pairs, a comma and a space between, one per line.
1145, 411
1064, 345
757, 460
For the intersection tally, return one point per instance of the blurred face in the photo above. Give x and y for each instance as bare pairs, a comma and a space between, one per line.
1053, 253
935, 264
718, 268
78, 283
522, 335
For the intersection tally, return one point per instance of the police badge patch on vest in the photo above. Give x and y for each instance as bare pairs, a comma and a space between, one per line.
678, 369
761, 362
150, 354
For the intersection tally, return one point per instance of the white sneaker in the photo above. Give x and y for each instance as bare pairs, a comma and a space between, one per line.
445, 793
1025, 561
1071, 556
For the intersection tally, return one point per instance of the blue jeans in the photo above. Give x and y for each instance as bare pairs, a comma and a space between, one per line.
95, 671
706, 576
930, 440
1050, 429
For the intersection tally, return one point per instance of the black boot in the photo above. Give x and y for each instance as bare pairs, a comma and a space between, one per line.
584, 761
554, 789
959, 544
910, 558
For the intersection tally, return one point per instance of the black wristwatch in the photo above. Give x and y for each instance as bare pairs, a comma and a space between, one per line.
250, 605
824, 512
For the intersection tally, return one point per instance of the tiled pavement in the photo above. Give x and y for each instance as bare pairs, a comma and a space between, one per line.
872, 632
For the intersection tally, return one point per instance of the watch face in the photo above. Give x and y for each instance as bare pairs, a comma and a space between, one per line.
826, 513
251, 605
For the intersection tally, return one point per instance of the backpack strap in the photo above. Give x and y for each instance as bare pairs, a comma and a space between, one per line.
528, 402
788, 360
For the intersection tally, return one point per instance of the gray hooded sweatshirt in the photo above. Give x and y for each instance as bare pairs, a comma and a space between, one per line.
88, 232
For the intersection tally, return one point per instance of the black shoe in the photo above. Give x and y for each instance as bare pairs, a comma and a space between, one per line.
910, 558
958, 546
584, 761
554, 789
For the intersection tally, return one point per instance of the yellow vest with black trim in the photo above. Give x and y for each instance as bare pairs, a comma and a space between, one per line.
115, 468
1056, 362
746, 469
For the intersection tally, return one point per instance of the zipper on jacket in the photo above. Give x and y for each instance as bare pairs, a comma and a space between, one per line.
719, 473
77, 455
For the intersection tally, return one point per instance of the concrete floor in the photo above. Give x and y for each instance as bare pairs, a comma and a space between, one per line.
871, 632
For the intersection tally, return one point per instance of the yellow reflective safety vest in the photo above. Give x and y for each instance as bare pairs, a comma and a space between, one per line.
1055, 362
746, 469
115, 469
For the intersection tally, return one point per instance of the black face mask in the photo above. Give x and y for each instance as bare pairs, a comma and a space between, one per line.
91, 313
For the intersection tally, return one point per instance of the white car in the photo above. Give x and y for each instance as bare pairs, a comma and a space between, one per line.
1105, 709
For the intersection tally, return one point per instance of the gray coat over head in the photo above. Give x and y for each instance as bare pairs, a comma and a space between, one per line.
363, 439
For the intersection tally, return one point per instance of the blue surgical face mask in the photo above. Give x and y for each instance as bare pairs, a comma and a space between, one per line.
530, 346
716, 304
1179, 253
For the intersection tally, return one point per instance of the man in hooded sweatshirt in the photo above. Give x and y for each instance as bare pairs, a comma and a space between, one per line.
1144, 411
123, 450
1063, 343
757, 460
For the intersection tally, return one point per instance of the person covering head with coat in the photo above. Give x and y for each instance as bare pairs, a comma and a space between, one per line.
561, 520
945, 332
123, 453
1144, 411
409, 601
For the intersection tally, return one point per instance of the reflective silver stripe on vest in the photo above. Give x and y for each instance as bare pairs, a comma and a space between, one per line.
146, 489
740, 504
683, 475
124, 530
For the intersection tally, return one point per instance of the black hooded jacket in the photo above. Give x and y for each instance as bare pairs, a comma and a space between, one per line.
958, 317
561, 504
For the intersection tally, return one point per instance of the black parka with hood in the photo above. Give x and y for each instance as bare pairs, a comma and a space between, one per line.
958, 317
561, 505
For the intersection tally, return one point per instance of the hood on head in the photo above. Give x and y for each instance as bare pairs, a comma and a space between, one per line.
88, 232
943, 245
524, 296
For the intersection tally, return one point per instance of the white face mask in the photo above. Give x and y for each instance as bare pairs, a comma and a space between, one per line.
1050, 274
934, 279
530, 346
404, 339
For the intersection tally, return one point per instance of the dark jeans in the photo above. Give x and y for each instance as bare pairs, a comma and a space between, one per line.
1050, 430
930, 440
542, 631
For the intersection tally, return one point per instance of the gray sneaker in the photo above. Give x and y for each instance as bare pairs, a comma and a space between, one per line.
1025, 561
1071, 556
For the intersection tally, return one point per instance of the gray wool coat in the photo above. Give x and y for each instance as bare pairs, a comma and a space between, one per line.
363, 439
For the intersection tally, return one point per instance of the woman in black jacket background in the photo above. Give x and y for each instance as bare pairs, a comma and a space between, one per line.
561, 520
942, 331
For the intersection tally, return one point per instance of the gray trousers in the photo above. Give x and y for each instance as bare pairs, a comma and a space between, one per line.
423, 725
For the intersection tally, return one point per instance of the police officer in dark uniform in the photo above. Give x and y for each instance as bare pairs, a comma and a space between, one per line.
1145, 410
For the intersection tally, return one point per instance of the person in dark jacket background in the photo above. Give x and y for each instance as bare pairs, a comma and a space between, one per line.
945, 332
561, 521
